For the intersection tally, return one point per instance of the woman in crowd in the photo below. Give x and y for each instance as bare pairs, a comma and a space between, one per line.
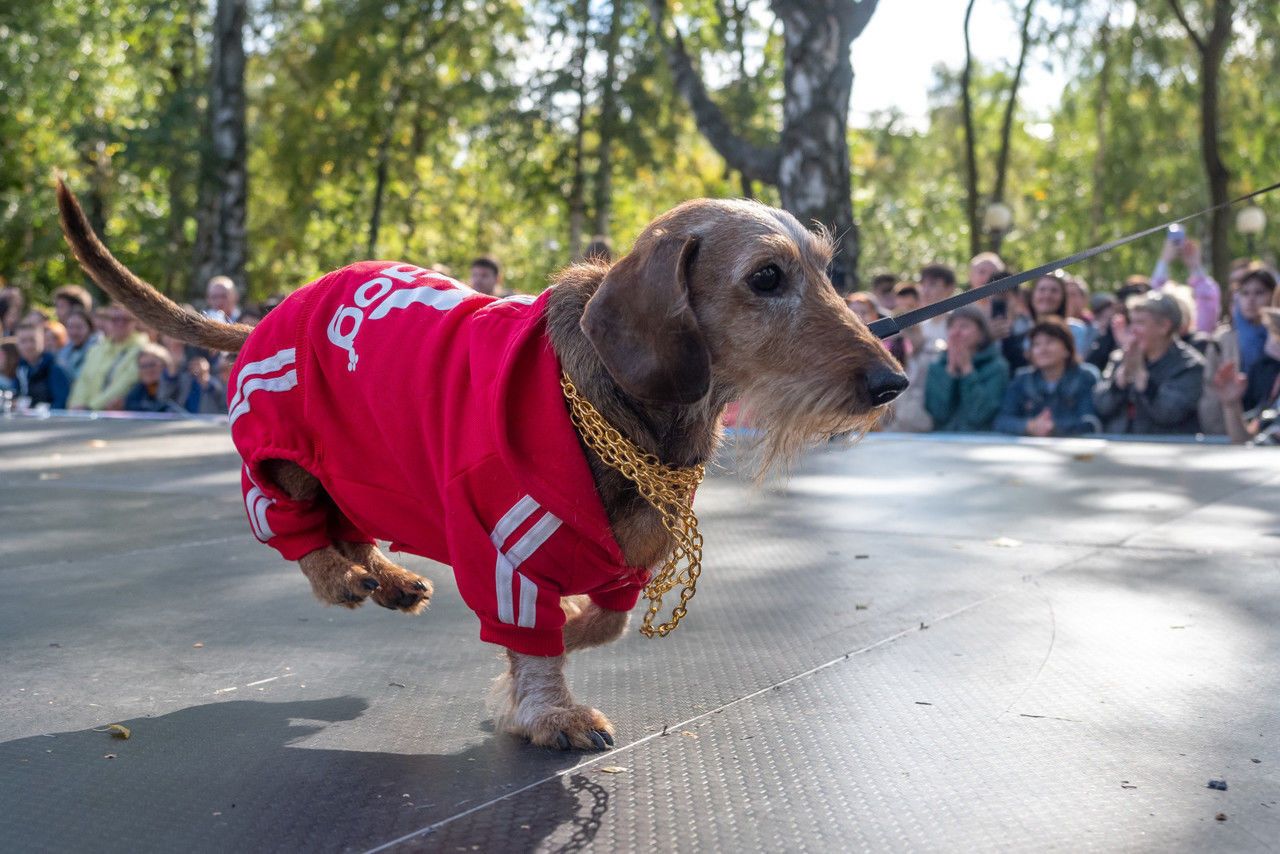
966, 383
1053, 396
1154, 384
153, 392
1048, 298
110, 367
80, 337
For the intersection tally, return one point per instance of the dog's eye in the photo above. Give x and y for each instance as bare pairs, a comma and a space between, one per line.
765, 280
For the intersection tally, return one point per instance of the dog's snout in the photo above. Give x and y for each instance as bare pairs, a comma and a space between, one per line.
884, 384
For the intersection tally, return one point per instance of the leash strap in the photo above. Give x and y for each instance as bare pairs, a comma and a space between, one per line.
887, 326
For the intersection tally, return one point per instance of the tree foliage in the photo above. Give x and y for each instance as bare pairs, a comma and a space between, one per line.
435, 130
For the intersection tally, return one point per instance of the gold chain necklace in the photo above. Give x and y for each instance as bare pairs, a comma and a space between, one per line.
670, 491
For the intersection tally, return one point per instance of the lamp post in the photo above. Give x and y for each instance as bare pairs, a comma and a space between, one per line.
996, 220
1250, 222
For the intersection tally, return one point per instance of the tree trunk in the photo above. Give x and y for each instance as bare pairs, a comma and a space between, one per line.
608, 124
1006, 129
577, 187
1210, 150
970, 155
810, 163
813, 170
222, 248
1097, 209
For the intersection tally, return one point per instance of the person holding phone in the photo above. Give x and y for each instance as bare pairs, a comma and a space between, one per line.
1204, 290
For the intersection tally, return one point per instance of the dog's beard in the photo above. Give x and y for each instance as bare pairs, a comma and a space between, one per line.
790, 417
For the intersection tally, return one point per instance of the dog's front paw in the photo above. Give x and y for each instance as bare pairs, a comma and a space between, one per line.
335, 580
565, 728
395, 587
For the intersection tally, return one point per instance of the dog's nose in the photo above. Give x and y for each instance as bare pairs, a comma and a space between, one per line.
884, 384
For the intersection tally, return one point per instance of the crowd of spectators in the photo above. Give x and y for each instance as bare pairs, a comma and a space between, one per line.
76, 355
1054, 358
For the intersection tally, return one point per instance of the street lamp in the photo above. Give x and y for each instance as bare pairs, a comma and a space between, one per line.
996, 220
1250, 222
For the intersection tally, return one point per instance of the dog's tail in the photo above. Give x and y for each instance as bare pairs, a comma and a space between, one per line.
147, 304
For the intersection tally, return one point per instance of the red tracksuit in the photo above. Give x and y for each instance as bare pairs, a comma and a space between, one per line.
433, 415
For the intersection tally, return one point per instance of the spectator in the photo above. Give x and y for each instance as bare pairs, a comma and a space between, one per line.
906, 297
1048, 299
80, 337
55, 336
1104, 307
1153, 385
1256, 423
966, 383
200, 390
9, 359
12, 305
1053, 396
68, 298
1205, 291
153, 392
38, 375
179, 355
486, 275
599, 249
864, 305
882, 290
110, 368
982, 267
222, 296
937, 282
1243, 340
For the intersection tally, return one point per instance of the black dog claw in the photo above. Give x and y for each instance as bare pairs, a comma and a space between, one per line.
597, 739
418, 585
369, 583
563, 741
604, 733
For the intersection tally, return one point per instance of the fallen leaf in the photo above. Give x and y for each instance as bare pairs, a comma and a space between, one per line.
197, 645
688, 734
1082, 458
860, 606
613, 769
1005, 543
97, 443
116, 731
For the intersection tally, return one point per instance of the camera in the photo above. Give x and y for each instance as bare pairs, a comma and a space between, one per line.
1177, 234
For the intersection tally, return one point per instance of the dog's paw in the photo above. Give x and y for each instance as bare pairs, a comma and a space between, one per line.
395, 587
403, 591
335, 580
571, 728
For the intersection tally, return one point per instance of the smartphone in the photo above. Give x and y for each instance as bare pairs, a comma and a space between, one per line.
999, 307
1176, 234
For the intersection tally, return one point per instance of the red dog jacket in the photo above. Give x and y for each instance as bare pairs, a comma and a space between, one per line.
433, 415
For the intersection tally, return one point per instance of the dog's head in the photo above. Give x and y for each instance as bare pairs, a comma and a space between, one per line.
735, 294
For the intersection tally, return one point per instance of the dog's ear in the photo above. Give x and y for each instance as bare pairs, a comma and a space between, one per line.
643, 328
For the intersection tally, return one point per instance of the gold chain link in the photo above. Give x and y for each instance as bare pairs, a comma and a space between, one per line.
670, 490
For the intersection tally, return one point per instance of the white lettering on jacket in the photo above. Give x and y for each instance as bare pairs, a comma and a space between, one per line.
347, 320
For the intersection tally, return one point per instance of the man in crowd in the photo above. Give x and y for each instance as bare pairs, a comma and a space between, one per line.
38, 376
486, 277
222, 295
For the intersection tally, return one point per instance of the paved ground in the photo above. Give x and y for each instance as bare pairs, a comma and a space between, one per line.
914, 645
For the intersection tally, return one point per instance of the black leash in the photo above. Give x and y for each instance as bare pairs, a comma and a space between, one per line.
886, 326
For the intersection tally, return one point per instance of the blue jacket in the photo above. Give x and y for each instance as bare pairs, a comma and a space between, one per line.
1070, 402
44, 382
